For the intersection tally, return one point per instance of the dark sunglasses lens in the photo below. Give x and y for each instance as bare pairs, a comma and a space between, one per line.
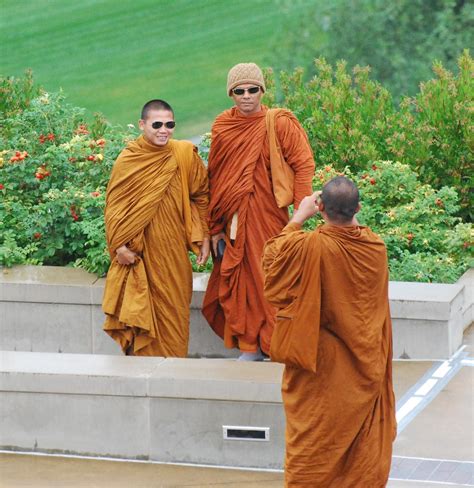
169, 125
241, 91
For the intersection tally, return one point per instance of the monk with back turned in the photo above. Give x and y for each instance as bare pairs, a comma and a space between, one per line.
334, 335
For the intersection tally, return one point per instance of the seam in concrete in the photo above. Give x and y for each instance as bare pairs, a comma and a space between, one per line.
432, 459
143, 461
440, 483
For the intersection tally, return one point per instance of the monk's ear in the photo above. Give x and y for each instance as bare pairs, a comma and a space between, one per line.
141, 124
359, 206
320, 205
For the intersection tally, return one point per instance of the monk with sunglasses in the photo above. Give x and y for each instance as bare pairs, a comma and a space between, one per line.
244, 211
156, 211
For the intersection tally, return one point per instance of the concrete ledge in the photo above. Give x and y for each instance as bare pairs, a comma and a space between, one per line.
53, 309
217, 380
169, 410
424, 301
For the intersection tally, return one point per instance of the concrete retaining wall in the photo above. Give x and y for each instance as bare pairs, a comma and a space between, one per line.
170, 410
53, 309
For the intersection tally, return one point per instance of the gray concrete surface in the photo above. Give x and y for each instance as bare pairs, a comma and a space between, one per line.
54, 309
434, 450
145, 408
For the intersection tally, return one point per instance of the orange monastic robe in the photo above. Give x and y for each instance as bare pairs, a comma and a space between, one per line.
334, 334
156, 204
240, 183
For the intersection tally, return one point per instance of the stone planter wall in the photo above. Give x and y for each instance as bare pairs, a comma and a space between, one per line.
54, 309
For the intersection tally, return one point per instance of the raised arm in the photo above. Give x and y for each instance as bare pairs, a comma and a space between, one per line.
282, 265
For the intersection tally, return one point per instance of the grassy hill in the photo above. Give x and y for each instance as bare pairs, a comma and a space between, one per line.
113, 55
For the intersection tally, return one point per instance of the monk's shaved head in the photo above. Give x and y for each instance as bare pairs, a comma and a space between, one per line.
340, 197
155, 105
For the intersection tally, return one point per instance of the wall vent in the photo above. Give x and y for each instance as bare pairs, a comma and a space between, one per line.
241, 433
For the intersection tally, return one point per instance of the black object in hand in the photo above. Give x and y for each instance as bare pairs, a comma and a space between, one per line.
220, 249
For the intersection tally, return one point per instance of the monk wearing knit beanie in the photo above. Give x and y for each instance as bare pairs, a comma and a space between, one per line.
245, 73
243, 211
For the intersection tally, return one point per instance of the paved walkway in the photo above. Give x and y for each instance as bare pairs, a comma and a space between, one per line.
434, 447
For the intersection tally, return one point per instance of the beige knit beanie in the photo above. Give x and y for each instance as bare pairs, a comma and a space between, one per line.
244, 73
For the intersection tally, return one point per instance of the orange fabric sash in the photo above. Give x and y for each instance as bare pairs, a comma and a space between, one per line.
283, 177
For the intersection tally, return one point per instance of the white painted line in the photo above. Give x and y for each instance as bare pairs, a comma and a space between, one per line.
442, 371
407, 408
467, 362
426, 387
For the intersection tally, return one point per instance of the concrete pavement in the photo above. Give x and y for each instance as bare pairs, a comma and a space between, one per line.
435, 445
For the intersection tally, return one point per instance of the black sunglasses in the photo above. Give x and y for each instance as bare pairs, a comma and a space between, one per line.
169, 125
241, 91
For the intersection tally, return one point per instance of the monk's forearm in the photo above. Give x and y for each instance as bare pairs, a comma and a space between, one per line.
307, 209
202, 210
297, 219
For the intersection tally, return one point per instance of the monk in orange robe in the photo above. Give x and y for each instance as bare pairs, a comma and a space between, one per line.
156, 211
243, 211
334, 335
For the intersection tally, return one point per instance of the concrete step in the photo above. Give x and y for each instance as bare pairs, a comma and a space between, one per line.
169, 410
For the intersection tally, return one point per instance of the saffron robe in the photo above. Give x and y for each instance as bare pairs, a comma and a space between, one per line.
156, 204
240, 183
334, 331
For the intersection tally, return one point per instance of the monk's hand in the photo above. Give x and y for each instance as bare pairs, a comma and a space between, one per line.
308, 207
215, 239
125, 256
204, 251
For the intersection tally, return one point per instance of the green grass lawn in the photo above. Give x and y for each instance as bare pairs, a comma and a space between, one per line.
113, 55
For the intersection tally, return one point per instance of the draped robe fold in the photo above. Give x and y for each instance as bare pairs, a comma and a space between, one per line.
156, 204
334, 329
240, 183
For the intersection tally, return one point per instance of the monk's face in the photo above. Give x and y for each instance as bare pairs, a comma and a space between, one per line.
248, 103
159, 136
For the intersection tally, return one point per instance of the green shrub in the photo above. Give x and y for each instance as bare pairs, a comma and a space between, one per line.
351, 120
424, 238
17, 93
54, 170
